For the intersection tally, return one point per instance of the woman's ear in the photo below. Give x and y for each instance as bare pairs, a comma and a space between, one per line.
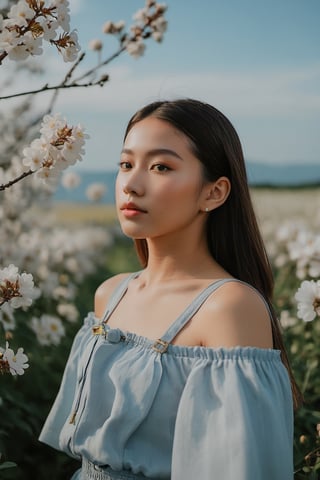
215, 194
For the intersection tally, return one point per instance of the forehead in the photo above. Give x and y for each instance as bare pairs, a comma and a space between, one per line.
153, 132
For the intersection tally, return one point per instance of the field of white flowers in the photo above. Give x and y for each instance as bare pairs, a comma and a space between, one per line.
290, 221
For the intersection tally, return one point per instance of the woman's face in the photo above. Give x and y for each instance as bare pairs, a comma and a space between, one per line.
160, 184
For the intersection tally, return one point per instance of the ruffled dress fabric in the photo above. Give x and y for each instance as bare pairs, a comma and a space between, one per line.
125, 405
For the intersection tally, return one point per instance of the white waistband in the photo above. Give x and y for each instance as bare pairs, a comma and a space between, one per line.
90, 471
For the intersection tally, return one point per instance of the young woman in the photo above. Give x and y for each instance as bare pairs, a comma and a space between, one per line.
181, 373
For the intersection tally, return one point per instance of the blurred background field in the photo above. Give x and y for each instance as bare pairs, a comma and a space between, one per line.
276, 203
75, 213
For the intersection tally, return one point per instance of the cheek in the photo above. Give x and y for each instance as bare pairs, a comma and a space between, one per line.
183, 191
118, 189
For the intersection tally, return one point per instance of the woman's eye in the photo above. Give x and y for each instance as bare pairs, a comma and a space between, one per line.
160, 168
124, 165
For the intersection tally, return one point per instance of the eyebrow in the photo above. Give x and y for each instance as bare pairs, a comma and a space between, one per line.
154, 152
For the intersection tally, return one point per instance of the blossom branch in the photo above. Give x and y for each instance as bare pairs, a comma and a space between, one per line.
29, 23
45, 157
60, 86
3, 186
150, 23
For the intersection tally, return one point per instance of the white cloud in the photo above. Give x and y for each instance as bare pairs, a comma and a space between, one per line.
276, 112
278, 93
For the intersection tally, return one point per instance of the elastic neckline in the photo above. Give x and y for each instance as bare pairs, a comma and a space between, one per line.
209, 353
194, 351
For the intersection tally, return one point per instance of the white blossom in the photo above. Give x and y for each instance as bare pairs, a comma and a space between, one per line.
20, 13
27, 25
70, 51
286, 320
160, 24
73, 149
18, 53
68, 311
17, 362
314, 267
51, 124
281, 259
50, 29
65, 293
9, 38
141, 15
119, 25
17, 289
50, 176
136, 48
95, 191
108, 27
63, 14
95, 45
70, 180
32, 45
308, 298
58, 147
72, 265
48, 329
35, 154
157, 36
162, 7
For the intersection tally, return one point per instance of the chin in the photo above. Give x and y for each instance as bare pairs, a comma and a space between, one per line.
129, 232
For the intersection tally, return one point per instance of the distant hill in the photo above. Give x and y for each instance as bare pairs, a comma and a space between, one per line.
283, 175
259, 174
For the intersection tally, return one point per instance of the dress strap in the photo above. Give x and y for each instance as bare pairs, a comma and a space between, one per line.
195, 305
117, 295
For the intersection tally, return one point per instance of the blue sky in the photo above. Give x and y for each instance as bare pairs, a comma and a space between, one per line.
257, 61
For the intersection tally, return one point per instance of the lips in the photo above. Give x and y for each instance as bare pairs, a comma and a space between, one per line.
130, 206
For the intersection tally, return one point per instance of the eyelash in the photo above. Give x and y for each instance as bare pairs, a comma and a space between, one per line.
164, 168
123, 167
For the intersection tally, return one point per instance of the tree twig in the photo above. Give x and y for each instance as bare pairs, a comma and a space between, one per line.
3, 186
101, 64
47, 88
2, 56
64, 82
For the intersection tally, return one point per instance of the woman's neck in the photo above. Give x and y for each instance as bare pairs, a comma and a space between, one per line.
173, 261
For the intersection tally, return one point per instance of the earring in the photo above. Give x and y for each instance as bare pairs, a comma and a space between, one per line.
207, 209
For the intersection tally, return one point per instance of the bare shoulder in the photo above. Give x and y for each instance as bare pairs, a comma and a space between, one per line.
237, 316
104, 291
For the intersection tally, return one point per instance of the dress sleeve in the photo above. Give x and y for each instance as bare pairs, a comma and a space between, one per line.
235, 419
63, 403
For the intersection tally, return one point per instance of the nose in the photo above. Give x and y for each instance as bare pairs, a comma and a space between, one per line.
133, 185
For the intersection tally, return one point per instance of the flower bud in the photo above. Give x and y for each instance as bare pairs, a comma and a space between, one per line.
95, 45
303, 438
108, 27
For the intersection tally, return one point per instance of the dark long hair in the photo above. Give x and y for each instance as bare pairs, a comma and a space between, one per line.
233, 235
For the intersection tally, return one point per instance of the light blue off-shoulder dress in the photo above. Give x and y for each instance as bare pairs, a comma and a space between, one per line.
132, 408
